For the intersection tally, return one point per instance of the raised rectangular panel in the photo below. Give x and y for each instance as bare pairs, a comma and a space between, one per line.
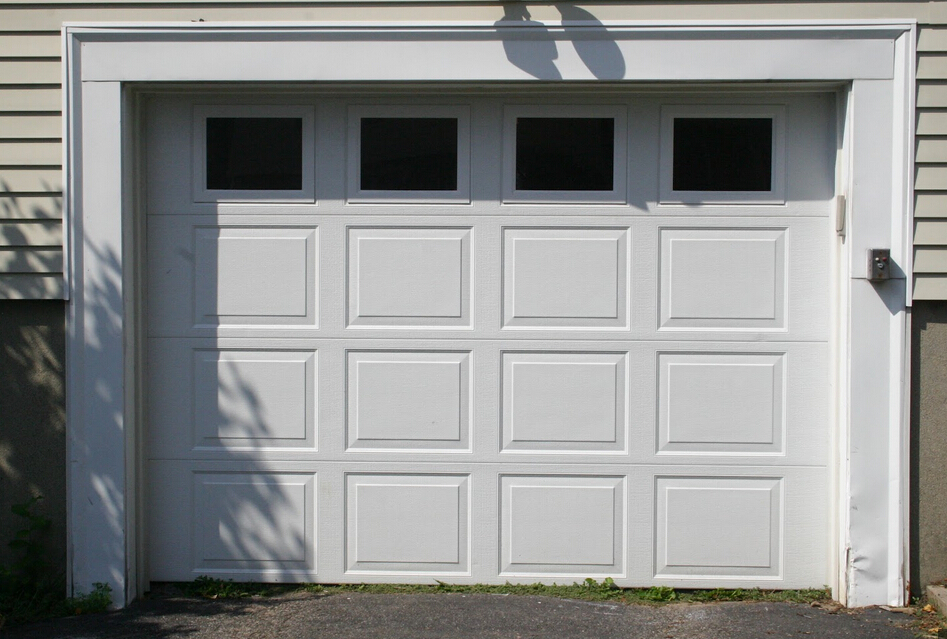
565, 278
407, 523
718, 527
257, 276
567, 525
719, 403
408, 400
409, 277
564, 402
725, 279
254, 521
254, 399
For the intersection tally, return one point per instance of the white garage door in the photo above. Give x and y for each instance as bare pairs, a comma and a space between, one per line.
485, 339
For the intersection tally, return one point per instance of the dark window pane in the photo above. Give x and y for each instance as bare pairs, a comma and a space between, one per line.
409, 154
723, 154
565, 154
255, 154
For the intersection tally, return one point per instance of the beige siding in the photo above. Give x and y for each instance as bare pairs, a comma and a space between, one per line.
930, 183
32, 153
928, 204
27, 261
31, 98
31, 287
931, 259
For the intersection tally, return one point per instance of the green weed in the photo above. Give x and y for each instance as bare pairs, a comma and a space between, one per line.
588, 590
29, 587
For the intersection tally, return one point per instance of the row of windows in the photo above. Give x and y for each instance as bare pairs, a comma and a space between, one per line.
428, 155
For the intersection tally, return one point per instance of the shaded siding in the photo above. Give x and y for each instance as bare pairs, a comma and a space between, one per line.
31, 234
31, 96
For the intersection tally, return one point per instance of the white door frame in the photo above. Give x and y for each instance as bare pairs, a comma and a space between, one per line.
872, 60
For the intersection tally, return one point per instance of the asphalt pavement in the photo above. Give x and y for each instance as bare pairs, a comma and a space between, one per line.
461, 616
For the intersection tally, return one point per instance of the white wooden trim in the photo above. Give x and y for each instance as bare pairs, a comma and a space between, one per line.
873, 58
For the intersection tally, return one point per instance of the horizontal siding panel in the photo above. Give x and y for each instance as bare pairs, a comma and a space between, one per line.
930, 287
30, 72
932, 39
31, 126
29, 233
30, 261
30, 208
40, 45
38, 153
930, 259
36, 98
30, 180
928, 150
930, 204
932, 178
931, 94
932, 123
931, 232
931, 67
32, 287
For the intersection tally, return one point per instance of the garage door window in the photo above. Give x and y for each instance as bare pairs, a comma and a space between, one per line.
253, 153
417, 154
565, 154
569, 154
722, 154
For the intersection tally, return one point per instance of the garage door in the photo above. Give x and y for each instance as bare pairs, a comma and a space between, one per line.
483, 338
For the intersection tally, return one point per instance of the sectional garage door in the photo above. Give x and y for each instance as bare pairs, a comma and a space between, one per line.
487, 338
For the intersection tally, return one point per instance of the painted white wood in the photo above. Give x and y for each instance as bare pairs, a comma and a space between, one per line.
320, 54
814, 52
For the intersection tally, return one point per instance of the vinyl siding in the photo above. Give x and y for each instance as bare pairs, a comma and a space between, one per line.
31, 98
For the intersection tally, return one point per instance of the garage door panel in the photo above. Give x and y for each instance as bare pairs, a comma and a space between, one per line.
567, 401
414, 523
554, 525
740, 526
254, 521
209, 398
231, 275
566, 278
411, 277
408, 400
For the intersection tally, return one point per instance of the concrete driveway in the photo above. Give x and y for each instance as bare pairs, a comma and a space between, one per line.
460, 616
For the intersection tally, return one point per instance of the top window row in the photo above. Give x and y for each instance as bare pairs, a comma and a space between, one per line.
707, 154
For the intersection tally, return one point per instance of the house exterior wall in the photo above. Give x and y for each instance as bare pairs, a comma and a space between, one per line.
929, 444
31, 230
32, 420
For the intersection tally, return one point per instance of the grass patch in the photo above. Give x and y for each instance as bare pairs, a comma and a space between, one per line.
589, 590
